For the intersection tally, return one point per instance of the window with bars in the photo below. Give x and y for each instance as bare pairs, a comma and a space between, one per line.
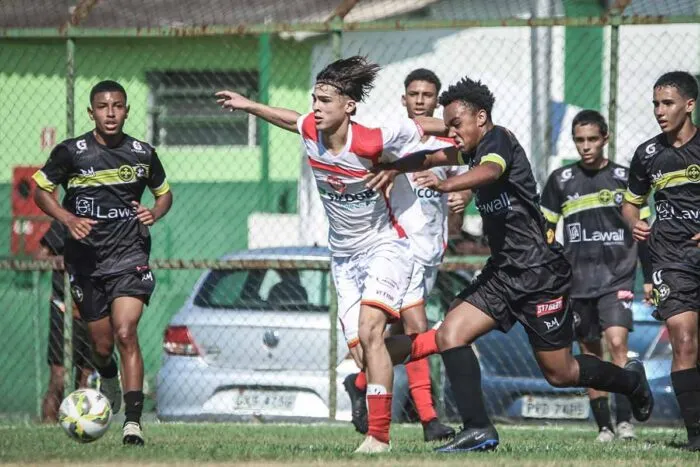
183, 109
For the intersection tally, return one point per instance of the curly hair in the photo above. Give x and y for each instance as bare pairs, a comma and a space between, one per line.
352, 77
683, 81
472, 93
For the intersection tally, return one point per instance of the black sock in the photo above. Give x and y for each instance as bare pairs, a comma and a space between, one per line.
605, 376
686, 384
462, 367
601, 412
133, 406
623, 408
109, 371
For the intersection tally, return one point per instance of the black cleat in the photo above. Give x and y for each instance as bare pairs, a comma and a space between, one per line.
642, 399
436, 431
358, 403
132, 434
472, 439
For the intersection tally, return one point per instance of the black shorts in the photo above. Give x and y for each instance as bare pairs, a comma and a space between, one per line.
94, 295
537, 297
81, 342
594, 315
675, 292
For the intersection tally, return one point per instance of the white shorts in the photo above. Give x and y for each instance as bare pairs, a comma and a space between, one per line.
422, 283
378, 276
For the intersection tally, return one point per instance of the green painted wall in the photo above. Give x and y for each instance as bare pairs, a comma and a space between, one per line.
583, 59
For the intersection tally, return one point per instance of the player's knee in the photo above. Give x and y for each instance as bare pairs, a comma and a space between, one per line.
415, 327
126, 335
685, 346
448, 338
618, 347
371, 333
559, 378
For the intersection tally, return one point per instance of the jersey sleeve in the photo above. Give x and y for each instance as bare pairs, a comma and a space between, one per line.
157, 181
495, 147
550, 201
638, 184
56, 170
401, 138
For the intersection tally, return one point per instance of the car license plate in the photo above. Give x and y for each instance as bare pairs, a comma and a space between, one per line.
252, 399
576, 407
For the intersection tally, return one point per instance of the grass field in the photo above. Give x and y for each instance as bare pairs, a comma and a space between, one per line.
319, 445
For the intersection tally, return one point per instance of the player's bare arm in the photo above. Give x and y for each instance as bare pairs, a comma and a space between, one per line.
79, 227
640, 229
483, 174
458, 201
161, 207
283, 118
432, 126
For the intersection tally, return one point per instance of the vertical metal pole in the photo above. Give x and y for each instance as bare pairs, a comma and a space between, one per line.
264, 69
614, 75
37, 339
336, 44
68, 313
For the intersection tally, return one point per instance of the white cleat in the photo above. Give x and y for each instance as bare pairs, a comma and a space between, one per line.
132, 434
372, 445
625, 430
605, 435
113, 392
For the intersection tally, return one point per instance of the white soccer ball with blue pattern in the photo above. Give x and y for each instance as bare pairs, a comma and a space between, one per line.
85, 415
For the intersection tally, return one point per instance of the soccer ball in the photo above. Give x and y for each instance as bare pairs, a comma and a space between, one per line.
85, 415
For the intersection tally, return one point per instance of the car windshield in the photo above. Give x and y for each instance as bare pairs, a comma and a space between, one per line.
269, 289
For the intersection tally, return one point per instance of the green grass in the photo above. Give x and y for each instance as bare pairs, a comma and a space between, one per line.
319, 445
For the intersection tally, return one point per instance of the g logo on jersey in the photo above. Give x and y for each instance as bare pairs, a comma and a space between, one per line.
126, 173
566, 174
620, 173
693, 172
650, 150
605, 196
81, 144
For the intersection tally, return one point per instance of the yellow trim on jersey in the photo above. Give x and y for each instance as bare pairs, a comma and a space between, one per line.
493, 157
124, 174
634, 198
43, 182
600, 199
690, 174
460, 158
551, 216
162, 189
645, 212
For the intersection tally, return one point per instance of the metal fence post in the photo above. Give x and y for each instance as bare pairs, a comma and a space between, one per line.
264, 69
37, 339
68, 311
615, 17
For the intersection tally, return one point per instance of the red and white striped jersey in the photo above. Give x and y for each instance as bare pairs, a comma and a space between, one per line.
357, 216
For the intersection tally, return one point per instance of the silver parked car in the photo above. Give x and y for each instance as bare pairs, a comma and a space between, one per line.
254, 344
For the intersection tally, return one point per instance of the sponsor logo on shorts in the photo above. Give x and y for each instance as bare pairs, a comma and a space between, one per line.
148, 276
552, 306
661, 290
552, 324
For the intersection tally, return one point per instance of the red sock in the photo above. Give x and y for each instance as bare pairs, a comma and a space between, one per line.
424, 344
418, 372
379, 416
361, 381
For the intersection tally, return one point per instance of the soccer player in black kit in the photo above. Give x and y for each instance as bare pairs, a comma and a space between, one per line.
588, 196
526, 279
669, 164
104, 173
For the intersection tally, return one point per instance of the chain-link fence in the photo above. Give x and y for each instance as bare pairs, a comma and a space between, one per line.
240, 183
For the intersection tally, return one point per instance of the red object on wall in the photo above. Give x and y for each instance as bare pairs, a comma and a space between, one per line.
29, 223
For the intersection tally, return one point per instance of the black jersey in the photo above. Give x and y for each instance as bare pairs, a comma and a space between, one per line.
54, 240
513, 223
674, 174
100, 184
597, 242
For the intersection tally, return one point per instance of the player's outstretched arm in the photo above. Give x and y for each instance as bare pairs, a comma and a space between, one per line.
79, 227
432, 126
283, 118
480, 175
639, 228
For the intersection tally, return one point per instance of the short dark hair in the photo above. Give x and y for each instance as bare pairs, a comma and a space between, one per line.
686, 83
423, 74
106, 86
352, 77
590, 117
472, 93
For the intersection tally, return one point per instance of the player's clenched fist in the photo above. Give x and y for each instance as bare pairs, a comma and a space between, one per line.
232, 100
143, 214
80, 227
